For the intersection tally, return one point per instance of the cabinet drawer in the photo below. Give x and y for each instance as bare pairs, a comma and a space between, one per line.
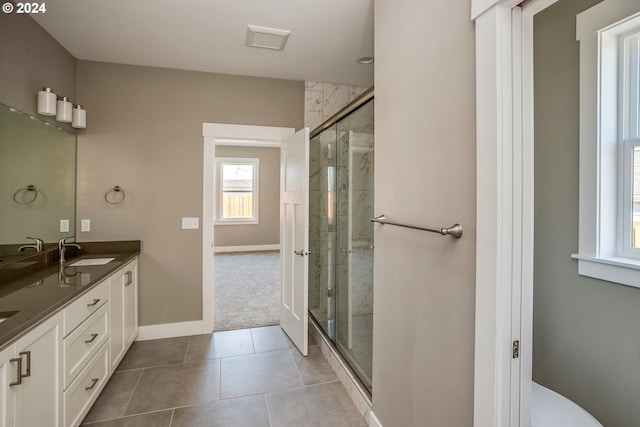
84, 306
84, 390
84, 342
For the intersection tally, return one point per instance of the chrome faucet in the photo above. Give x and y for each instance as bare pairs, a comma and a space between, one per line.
37, 245
62, 247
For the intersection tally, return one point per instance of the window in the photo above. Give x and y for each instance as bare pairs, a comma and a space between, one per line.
237, 189
609, 223
629, 140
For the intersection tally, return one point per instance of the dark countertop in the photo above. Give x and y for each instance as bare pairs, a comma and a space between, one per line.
43, 288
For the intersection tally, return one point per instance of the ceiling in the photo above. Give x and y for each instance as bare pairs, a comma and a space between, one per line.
327, 37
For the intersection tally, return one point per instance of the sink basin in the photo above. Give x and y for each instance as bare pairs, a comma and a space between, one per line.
90, 261
4, 315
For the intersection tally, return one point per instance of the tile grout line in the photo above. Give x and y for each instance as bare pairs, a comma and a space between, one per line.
173, 412
127, 416
132, 393
186, 350
266, 406
220, 379
293, 359
253, 343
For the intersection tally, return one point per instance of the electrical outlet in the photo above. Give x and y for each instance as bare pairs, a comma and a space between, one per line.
64, 225
85, 225
190, 223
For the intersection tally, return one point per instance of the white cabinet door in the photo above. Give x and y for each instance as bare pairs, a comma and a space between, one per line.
131, 303
123, 300
37, 399
8, 374
116, 318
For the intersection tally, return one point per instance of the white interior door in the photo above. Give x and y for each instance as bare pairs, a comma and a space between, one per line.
294, 219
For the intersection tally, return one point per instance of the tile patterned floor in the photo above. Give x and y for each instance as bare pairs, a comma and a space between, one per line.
247, 377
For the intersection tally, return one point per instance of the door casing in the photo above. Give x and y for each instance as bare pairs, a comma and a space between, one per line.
224, 134
504, 210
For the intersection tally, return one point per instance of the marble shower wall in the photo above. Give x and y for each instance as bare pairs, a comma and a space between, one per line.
322, 224
355, 160
323, 100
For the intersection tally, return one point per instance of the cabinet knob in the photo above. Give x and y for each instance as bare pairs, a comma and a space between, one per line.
93, 338
129, 275
95, 301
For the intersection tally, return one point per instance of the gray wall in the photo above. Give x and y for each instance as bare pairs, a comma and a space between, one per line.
267, 232
586, 335
144, 133
424, 283
31, 59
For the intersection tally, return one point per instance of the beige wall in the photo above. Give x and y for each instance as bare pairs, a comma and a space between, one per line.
424, 174
31, 59
145, 134
267, 232
586, 336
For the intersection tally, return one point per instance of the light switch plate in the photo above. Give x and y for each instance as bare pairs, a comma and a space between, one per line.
190, 223
64, 225
85, 225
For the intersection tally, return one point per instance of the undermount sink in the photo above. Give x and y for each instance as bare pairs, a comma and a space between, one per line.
90, 261
4, 315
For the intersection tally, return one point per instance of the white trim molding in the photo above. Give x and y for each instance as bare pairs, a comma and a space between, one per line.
224, 134
494, 217
504, 210
248, 248
170, 330
373, 420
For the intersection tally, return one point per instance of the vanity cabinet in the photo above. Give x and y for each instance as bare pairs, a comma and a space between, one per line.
54, 373
85, 351
32, 379
123, 297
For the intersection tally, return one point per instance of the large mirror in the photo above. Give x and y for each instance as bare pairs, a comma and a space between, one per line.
37, 182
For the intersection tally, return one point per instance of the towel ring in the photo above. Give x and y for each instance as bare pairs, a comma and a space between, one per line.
116, 190
23, 191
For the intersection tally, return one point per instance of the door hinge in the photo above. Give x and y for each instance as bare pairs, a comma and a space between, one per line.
516, 349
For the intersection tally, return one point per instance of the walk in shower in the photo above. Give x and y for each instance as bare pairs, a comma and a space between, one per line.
341, 233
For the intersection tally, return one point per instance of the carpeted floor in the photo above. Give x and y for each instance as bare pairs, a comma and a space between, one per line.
247, 289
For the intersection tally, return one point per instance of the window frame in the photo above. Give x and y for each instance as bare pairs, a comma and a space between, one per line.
219, 171
605, 182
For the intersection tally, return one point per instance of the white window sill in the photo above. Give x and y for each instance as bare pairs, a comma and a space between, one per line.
624, 271
245, 222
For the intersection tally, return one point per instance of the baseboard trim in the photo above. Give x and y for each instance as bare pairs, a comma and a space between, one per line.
373, 420
170, 330
250, 248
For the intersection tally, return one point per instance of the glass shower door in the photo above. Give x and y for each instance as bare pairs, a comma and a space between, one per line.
354, 269
322, 229
341, 237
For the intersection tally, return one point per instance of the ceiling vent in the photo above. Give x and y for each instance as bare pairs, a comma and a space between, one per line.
266, 38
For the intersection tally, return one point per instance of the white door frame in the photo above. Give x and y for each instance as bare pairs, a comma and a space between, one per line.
504, 246
224, 134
